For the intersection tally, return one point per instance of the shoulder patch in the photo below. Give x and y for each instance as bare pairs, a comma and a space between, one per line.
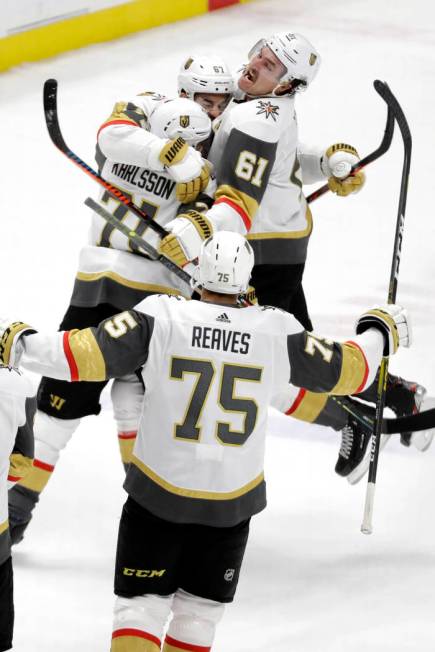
155, 96
267, 109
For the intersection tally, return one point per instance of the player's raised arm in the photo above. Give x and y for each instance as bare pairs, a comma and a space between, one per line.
322, 365
118, 346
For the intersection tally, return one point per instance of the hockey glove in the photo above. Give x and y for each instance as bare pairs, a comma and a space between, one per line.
188, 231
336, 164
394, 323
11, 347
182, 162
188, 191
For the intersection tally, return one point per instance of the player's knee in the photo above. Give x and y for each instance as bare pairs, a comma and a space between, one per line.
127, 397
52, 435
194, 619
143, 613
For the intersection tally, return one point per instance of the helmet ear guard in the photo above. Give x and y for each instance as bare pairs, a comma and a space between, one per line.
225, 264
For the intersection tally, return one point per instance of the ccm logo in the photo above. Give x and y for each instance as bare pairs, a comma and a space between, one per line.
135, 572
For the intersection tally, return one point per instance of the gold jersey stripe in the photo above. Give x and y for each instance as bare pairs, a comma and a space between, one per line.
146, 287
133, 644
247, 204
36, 479
126, 449
19, 465
4, 526
192, 493
289, 235
353, 370
87, 355
310, 406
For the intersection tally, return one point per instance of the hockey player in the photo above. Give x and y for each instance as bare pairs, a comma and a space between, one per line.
210, 368
261, 168
113, 274
17, 409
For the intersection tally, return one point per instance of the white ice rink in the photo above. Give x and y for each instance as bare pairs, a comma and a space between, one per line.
311, 582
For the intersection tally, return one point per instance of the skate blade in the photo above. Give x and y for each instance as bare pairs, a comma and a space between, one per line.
359, 471
423, 439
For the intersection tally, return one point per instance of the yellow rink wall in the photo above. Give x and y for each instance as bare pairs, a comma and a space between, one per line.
38, 42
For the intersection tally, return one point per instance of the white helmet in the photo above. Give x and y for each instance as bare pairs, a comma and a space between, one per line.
300, 58
225, 263
205, 74
181, 117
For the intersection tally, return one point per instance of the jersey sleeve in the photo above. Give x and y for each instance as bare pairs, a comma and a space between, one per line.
116, 347
21, 458
125, 136
243, 171
309, 159
321, 365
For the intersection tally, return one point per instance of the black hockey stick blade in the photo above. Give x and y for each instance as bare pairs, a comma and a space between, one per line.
373, 156
55, 133
138, 240
424, 420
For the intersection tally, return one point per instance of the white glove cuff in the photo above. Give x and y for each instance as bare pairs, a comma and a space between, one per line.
338, 164
189, 168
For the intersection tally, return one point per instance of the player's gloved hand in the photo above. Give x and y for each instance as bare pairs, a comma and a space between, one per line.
394, 323
250, 296
11, 347
182, 162
188, 230
188, 191
336, 164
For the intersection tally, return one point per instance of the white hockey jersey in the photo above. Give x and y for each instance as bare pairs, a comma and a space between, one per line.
210, 373
260, 169
16, 419
111, 268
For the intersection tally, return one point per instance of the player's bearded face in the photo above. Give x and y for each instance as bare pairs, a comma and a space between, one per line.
262, 74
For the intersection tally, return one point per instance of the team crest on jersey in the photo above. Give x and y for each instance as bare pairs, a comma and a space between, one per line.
267, 109
184, 121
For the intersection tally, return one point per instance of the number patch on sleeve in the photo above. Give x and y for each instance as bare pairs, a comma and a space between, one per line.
120, 324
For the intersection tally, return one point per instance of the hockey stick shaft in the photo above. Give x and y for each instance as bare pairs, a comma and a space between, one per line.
373, 156
410, 423
55, 133
137, 239
393, 104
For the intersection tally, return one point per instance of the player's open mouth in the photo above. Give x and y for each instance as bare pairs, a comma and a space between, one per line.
250, 75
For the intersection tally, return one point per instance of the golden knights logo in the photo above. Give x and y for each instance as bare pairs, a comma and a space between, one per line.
184, 121
267, 109
188, 63
313, 59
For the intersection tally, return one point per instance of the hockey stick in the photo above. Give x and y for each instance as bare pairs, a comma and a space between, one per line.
243, 300
377, 153
393, 426
55, 133
137, 239
393, 104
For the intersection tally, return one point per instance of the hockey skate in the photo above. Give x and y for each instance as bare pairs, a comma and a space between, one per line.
354, 449
403, 398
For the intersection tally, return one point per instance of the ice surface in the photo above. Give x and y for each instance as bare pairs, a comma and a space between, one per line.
311, 581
